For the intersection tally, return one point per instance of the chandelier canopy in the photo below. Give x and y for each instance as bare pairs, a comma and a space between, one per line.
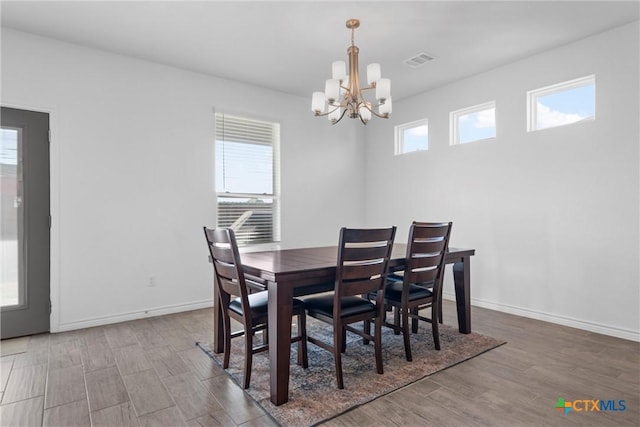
343, 94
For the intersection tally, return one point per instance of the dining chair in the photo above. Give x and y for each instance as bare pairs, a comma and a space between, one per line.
236, 301
421, 284
363, 256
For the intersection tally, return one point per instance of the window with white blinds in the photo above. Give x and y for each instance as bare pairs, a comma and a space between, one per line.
247, 178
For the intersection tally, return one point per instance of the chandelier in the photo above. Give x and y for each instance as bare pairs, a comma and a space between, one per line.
343, 95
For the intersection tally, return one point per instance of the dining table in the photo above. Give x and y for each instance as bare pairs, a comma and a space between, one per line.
288, 273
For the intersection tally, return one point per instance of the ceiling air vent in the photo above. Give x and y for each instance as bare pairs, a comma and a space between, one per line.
418, 60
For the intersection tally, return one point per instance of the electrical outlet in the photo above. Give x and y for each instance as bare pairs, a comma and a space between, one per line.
152, 282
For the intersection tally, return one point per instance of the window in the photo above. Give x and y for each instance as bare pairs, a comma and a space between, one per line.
473, 123
247, 178
412, 136
562, 104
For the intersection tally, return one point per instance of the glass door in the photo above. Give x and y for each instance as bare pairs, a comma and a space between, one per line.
24, 223
11, 227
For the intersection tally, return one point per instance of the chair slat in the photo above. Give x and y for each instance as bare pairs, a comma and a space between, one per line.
354, 235
364, 253
426, 230
425, 261
230, 287
421, 276
227, 271
222, 254
422, 247
351, 272
221, 235
361, 287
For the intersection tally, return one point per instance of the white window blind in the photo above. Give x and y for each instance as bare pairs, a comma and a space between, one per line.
247, 178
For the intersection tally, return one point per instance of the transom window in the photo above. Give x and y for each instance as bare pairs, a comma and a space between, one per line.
247, 178
562, 104
411, 137
473, 123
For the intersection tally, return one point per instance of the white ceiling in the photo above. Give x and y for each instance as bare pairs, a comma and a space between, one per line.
289, 46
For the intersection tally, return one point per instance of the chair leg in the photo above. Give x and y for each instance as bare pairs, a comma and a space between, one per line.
367, 330
227, 343
303, 359
248, 357
378, 344
405, 332
343, 345
440, 308
414, 320
337, 343
434, 328
396, 320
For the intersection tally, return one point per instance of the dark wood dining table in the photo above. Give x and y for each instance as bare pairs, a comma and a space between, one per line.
295, 272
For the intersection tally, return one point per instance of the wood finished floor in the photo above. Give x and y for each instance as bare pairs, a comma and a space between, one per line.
148, 372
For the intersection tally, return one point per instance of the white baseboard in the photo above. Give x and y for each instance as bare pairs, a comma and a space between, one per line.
518, 311
553, 318
134, 315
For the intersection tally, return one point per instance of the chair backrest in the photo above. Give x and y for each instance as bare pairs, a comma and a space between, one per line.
426, 250
229, 276
363, 256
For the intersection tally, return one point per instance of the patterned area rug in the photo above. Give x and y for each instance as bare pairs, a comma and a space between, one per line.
313, 395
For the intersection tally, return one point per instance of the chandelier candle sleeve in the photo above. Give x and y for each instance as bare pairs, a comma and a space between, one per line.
332, 90
335, 115
383, 90
365, 111
343, 94
383, 108
318, 101
339, 70
373, 73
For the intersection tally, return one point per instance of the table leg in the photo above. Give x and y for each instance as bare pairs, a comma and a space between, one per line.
218, 326
280, 310
462, 282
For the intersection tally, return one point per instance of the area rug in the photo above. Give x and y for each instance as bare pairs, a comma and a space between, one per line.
313, 394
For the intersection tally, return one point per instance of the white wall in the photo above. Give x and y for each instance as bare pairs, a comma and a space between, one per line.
552, 214
132, 175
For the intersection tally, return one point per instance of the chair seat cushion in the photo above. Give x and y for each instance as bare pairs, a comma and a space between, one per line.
393, 291
323, 304
395, 277
259, 304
